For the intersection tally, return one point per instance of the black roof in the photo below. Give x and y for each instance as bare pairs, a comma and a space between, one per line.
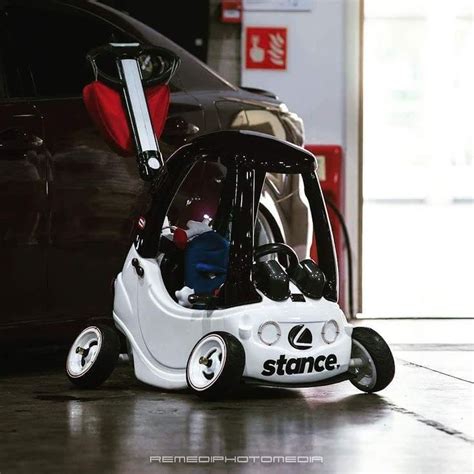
264, 151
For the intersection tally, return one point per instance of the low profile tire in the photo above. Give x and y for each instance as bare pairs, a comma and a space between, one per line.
216, 365
378, 367
93, 356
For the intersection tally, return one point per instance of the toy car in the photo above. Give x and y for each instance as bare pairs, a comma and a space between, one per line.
206, 299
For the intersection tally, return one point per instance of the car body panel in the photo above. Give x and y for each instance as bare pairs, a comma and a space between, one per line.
154, 323
23, 213
73, 200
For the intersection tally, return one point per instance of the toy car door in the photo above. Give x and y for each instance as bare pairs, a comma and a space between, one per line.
161, 316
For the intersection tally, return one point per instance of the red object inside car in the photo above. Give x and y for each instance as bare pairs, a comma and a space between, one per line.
106, 108
180, 238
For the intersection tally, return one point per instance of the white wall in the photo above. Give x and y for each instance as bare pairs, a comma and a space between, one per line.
321, 84
313, 84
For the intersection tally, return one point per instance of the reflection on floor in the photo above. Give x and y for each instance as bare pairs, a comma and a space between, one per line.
423, 422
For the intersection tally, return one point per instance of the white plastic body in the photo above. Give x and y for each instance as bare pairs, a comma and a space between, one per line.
162, 333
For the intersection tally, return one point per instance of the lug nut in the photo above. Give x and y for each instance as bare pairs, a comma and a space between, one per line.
205, 361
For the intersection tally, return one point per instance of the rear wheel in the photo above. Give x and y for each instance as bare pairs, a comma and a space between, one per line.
93, 356
216, 365
375, 367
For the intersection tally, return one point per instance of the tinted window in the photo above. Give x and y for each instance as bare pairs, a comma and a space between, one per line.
192, 74
46, 50
189, 31
2, 66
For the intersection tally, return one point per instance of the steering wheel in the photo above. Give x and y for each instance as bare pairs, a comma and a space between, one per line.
165, 61
279, 249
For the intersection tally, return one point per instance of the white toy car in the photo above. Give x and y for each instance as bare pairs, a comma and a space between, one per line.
207, 298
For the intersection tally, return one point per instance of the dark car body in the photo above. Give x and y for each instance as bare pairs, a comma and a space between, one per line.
68, 203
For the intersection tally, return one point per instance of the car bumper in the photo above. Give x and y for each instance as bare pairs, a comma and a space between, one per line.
283, 365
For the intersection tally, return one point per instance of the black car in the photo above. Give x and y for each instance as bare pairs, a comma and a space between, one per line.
68, 203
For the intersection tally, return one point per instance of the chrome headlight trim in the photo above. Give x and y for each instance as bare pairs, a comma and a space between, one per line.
326, 338
277, 336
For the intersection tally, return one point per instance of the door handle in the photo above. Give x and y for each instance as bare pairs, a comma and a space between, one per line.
19, 141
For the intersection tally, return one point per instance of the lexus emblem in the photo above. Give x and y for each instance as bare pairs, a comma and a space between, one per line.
300, 337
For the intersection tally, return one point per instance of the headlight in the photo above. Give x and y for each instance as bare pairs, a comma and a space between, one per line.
269, 332
330, 331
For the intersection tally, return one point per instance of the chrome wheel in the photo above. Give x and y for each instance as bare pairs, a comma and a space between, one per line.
206, 362
84, 352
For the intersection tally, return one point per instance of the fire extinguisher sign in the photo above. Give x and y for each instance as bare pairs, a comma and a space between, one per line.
265, 48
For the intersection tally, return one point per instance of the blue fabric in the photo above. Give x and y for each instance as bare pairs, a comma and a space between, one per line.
206, 255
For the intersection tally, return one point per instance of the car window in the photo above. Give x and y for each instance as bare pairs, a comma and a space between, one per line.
50, 61
12, 75
192, 73
3, 89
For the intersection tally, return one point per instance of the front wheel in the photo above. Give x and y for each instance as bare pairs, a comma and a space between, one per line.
216, 365
93, 356
374, 365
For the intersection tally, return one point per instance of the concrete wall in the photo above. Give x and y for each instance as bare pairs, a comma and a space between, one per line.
223, 52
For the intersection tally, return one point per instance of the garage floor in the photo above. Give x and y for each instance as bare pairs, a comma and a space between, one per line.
423, 422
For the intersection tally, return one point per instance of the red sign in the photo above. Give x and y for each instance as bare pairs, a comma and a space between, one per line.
231, 11
265, 48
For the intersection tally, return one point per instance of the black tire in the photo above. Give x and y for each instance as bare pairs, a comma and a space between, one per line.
381, 356
231, 373
103, 365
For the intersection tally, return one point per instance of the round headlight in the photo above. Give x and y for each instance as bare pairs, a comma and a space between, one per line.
269, 332
330, 331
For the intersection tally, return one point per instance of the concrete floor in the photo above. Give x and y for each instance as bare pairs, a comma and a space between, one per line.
423, 422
